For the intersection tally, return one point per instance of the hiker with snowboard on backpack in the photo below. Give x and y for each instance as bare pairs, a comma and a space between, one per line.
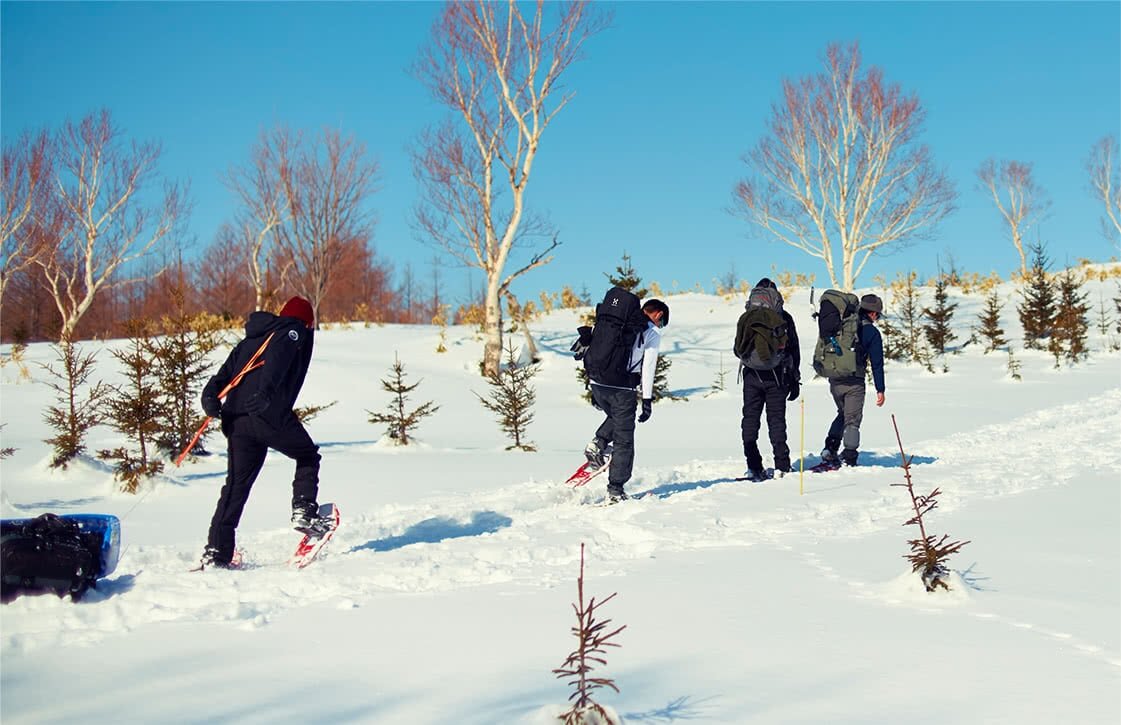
257, 415
620, 353
767, 347
848, 342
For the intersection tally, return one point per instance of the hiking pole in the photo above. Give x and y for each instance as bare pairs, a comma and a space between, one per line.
254, 363
802, 450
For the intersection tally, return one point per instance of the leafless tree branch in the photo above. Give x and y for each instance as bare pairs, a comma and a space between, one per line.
499, 73
840, 175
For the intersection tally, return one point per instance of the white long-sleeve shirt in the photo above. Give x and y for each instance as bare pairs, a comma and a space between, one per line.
644, 360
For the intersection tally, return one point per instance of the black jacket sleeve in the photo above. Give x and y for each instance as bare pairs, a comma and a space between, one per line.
221, 378
792, 346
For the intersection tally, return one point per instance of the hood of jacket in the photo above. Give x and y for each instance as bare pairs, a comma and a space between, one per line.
261, 323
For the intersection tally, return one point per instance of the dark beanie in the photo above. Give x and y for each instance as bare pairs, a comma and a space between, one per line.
766, 282
300, 309
872, 303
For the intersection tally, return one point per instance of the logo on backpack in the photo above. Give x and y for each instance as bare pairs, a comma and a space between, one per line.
620, 322
838, 353
761, 333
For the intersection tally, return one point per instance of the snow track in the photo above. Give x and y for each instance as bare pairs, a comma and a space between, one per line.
527, 533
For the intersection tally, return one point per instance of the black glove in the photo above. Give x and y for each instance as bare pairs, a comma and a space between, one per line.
647, 410
795, 388
595, 403
257, 403
211, 405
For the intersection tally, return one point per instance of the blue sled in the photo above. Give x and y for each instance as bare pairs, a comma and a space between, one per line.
107, 525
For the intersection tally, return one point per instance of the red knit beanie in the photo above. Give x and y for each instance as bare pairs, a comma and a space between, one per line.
299, 308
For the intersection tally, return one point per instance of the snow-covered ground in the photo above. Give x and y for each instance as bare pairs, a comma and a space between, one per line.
446, 594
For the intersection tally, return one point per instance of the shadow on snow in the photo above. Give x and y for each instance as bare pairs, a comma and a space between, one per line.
57, 503
108, 588
679, 708
868, 459
440, 528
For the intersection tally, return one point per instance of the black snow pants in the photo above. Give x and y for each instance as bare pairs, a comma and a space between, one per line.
250, 437
764, 389
618, 429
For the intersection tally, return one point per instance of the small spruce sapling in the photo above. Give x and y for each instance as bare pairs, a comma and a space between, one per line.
400, 420
626, 277
990, 323
1071, 318
661, 385
1013, 366
135, 409
927, 555
718, 384
893, 340
306, 413
1037, 310
1106, 326
1104, 323
182, 353
73, 416
593, 637
938, 331
512, 397
908, 310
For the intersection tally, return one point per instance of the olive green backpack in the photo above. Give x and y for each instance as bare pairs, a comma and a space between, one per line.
838, 353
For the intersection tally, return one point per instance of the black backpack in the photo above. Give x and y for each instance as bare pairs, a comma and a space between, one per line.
761, 332
620, 322
48, 553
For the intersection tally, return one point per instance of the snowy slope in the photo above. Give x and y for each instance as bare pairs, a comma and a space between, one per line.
446, 595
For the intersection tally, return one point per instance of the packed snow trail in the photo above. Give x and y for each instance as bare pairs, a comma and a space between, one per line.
526, 533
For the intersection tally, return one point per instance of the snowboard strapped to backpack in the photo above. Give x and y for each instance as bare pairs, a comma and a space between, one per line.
761, 333
838, 353
620, 322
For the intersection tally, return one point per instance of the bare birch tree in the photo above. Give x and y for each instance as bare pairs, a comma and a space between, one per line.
27, 175
499, 72
327, 184
259, 187
1020, 200
220, 277
841, 175
111, 216
1105, 180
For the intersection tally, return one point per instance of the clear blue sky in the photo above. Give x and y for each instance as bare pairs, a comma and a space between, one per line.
644, 158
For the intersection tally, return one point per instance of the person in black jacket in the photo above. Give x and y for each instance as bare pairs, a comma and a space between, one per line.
848, 393
770, 389
257, 415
